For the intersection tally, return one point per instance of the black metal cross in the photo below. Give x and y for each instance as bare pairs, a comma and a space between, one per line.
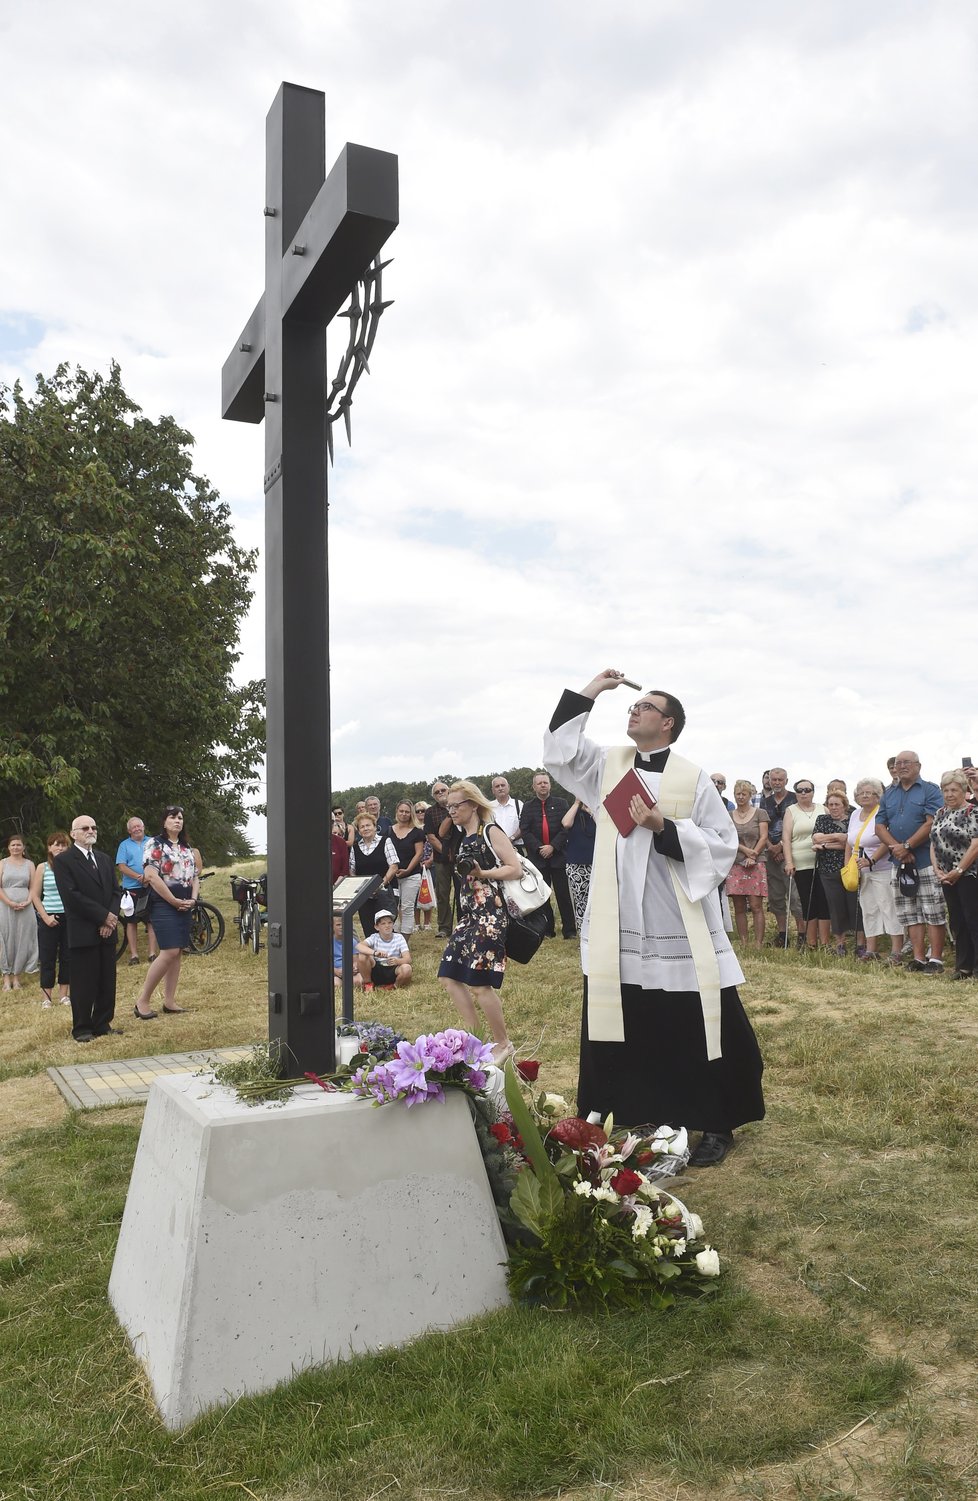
320, 236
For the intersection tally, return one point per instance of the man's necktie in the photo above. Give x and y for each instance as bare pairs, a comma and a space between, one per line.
544, 826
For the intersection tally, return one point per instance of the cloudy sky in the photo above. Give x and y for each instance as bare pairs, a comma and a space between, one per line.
680, 375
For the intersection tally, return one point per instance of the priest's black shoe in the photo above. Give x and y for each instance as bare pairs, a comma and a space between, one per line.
713, 1147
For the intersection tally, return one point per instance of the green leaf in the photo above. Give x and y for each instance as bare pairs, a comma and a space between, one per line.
526, 1127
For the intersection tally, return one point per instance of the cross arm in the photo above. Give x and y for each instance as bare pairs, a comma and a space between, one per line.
243, 375
348, 223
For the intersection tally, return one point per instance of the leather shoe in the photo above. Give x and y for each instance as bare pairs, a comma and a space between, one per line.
144, 1016
109, 1032
713, 1147
84, 1036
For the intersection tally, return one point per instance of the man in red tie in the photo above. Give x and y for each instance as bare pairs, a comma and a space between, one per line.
545, 838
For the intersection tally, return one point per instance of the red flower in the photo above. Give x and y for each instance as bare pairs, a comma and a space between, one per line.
528, 1070
323, 1083
502, 1133
577, 1134
625, 1181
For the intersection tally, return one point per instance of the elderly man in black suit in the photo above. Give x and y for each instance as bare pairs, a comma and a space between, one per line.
545, 838
85, 877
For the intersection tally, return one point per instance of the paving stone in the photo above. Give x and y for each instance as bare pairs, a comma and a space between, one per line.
92, 1086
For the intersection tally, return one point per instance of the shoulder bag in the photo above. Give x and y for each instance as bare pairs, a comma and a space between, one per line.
850, 871
526, 927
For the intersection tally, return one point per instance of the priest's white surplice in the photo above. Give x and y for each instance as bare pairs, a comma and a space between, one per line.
654, 949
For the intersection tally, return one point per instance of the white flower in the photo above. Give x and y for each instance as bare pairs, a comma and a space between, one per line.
641, 1224
708, 1262
678, 1248
628, 1146
583, 1188
695, 1227
606, 1193
555, 1104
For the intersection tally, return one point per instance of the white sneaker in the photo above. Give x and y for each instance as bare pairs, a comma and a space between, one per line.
66, 1000
45, 1005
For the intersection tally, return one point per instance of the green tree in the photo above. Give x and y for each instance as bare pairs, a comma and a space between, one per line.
121, 594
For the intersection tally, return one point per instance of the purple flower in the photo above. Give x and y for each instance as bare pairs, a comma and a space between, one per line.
476, 1051
431, 1092
476, 1079
455, 1039
442, 1056
412, 1056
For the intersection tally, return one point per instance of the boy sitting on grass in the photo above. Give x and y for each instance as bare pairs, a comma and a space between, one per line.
338, 958
384, 959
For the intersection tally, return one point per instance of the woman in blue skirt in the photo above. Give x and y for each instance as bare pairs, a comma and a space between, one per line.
173, 869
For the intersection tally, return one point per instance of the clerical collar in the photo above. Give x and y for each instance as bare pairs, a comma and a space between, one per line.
653, 760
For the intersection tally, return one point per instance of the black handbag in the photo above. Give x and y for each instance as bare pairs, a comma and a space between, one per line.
524, 936
140, 905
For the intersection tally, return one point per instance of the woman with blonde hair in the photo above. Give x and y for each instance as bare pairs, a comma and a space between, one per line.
474, 960
877, 902
405, 847
747, 881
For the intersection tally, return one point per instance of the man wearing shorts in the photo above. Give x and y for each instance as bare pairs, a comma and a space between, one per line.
903, 824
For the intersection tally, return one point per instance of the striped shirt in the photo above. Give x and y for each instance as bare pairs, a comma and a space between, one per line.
50, 895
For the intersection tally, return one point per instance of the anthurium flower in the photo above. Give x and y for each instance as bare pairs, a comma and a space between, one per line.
578, 1134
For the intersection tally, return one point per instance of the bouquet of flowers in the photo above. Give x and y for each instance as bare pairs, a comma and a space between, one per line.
378, 1041
587, 1225
422, 1070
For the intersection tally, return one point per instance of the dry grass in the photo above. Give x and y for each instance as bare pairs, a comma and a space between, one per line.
846, 1221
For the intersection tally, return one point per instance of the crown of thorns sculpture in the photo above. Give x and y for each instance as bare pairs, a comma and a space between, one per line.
364, 316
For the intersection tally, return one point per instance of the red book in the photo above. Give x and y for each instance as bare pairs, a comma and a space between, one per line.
618, 799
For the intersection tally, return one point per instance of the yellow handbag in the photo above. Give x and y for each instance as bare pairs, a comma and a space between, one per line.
850, 871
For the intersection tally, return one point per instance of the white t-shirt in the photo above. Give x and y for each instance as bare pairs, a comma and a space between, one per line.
390, 950
869, 844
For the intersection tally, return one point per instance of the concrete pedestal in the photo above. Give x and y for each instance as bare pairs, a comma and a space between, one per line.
259, 1241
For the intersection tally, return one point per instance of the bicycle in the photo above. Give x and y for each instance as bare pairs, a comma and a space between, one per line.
206, 927
250, 896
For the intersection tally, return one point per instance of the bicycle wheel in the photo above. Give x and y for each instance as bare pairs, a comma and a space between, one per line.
206, 928
256, 929
200, 930
244, 917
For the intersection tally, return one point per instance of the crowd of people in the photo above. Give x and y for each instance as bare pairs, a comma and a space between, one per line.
898, 865
792, 851
59, 919
898, 862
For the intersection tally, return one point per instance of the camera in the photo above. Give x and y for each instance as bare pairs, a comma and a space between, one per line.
465, 866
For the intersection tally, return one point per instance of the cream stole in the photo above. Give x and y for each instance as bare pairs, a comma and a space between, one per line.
677, 791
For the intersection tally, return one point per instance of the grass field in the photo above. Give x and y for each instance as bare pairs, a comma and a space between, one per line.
839, 1358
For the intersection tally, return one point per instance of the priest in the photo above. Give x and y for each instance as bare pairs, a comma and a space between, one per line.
664, 1037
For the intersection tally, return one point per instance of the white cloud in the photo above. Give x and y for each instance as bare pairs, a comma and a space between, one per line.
679, 374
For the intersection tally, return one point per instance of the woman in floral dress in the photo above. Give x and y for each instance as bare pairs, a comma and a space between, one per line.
474, 961
173, 868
